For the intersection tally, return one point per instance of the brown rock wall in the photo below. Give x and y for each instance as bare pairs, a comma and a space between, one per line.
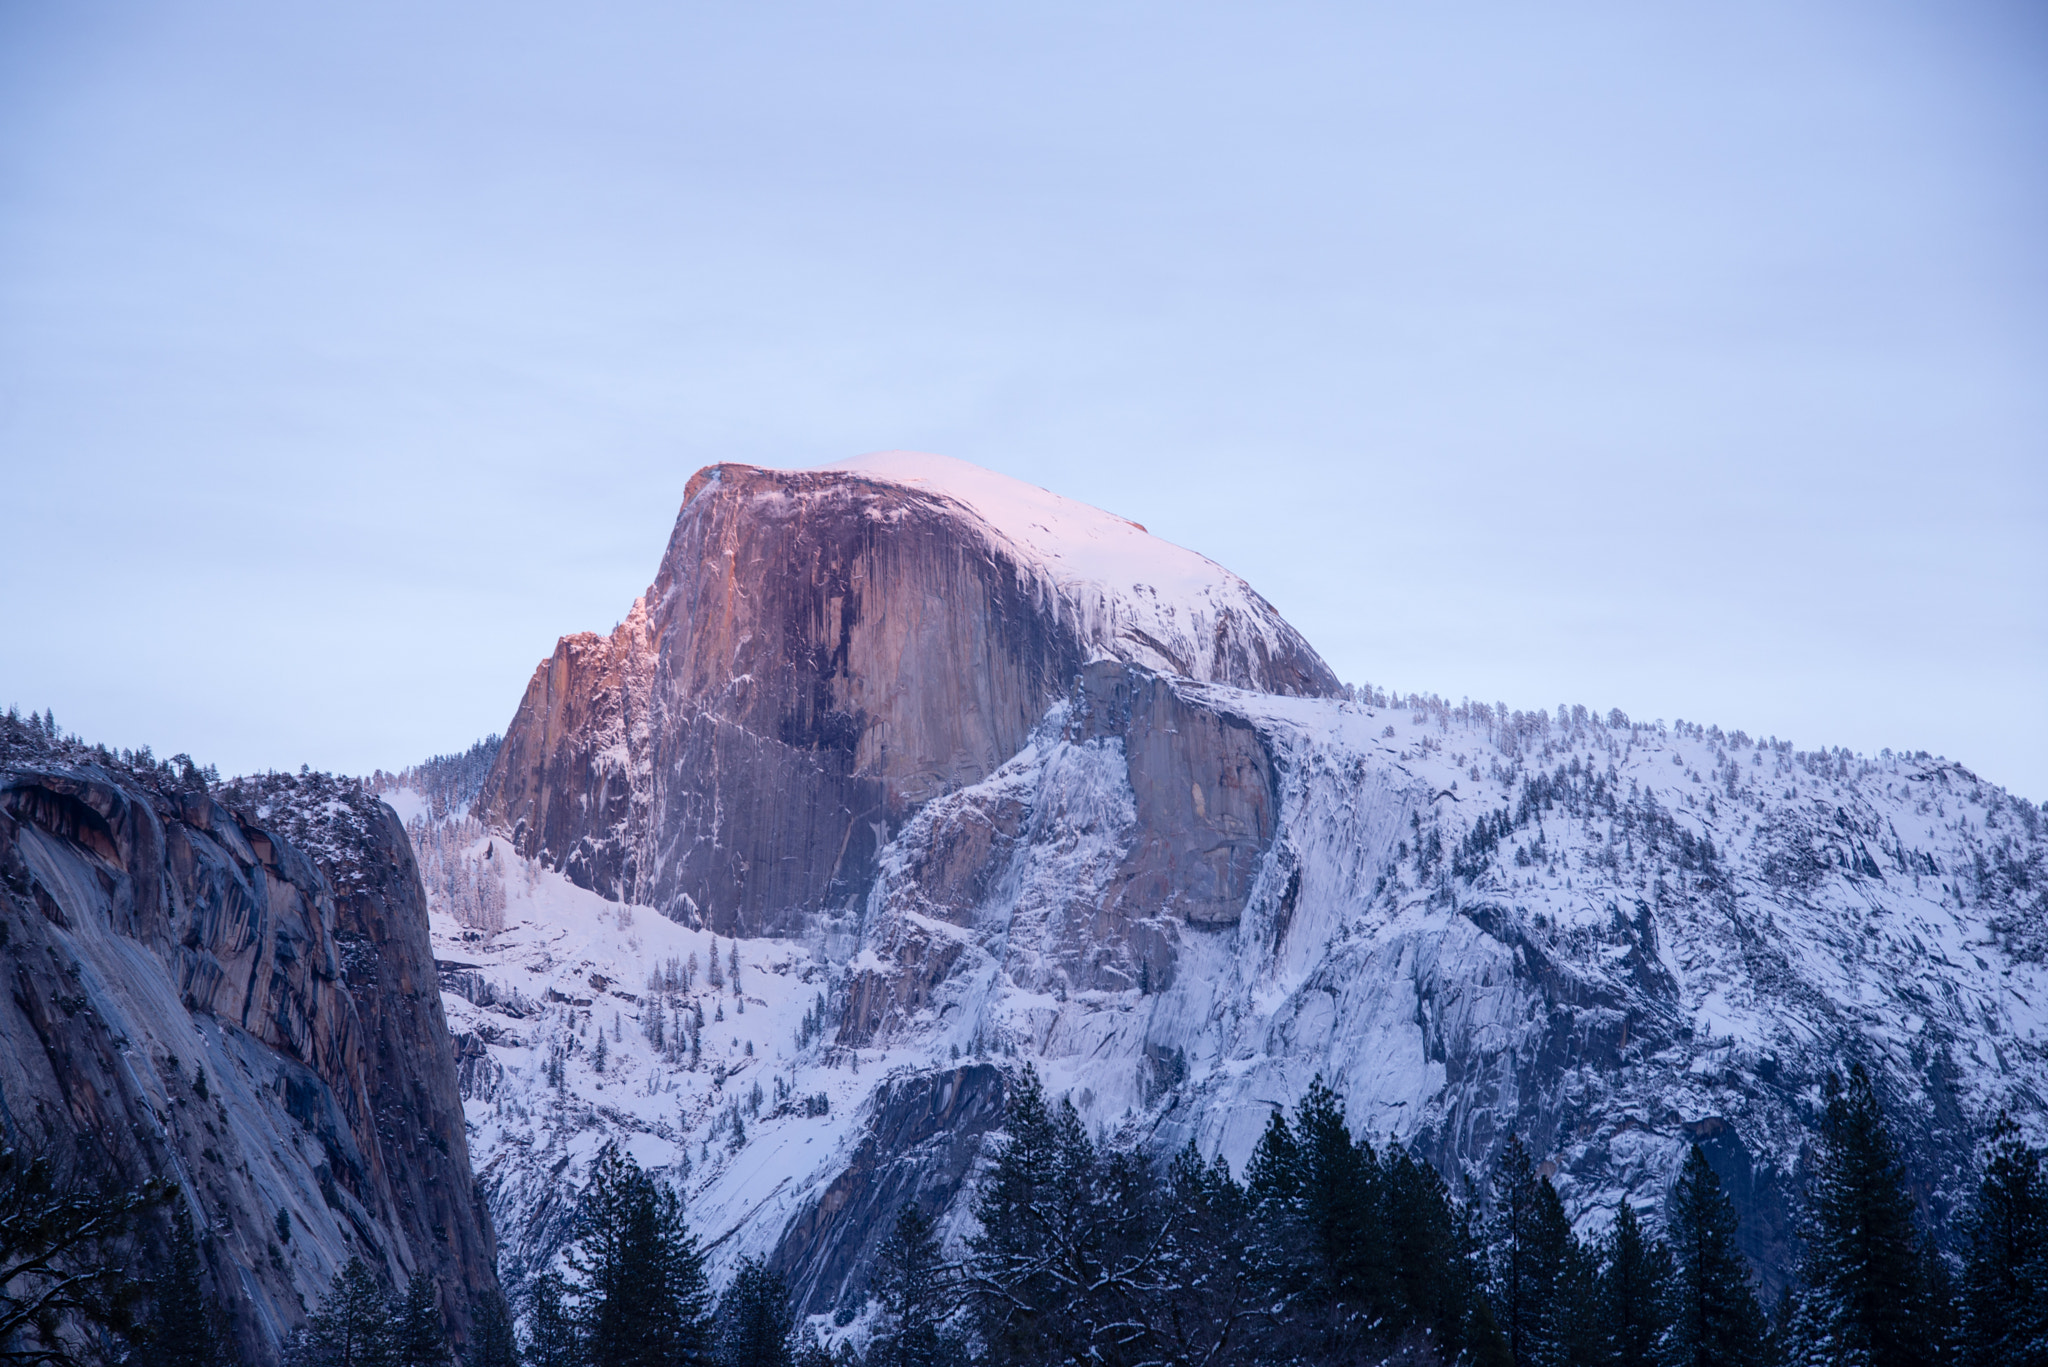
1206, 792
822, 653
569, 778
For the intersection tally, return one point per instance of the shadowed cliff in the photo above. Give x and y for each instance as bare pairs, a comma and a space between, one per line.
237, 993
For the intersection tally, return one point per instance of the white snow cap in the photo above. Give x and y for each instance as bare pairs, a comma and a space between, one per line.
1139, 598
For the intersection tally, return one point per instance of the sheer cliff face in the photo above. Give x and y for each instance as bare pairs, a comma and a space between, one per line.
198, 995
824, 652
570, 774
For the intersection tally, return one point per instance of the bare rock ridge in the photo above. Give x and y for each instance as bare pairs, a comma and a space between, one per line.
239, 995
823, 652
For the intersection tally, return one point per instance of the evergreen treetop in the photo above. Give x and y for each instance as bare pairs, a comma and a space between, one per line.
2005, 1264
1634, 1290
551, 1326
352, 1326
493, 1343
641, 1298
420, 1338
1865, 1297
755, 1326
1714, 1317
913, 1285
184, 1331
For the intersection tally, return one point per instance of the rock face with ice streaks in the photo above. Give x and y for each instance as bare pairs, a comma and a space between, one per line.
199, 996
1615, 940
825, 651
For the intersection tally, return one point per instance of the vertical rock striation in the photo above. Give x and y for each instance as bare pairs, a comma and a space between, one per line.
240, 996
825, 651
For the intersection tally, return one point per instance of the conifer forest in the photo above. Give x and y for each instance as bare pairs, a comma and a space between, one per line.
1328, 1249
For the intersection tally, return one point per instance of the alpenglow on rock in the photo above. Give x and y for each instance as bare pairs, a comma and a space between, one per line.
823, 652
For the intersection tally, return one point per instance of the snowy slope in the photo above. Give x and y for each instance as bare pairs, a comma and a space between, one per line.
569, 966
1616, 940
1633, 938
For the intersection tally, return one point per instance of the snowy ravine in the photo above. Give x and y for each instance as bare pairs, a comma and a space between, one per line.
1614, 939
569, 968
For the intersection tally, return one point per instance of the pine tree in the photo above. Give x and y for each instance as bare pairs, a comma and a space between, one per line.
1316, 1194
422, 1341
1212, 1305
1430, 1253
2005, 1268
185, 1331
493, 1344
552, 1340
1026, 1209
642, 1299
1715, 1321
1355, 1252
1562, 1279
64, 1261
1069, 1263
912, 1284
1635, 1283
352, 1327
1944, 1311
1865, 1298
754, 1321
1512, 1234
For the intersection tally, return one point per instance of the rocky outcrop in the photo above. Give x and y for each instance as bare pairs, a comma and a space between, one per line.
823, 653
235, 992
1137, 817
1205, 791
922, 1138
571, 774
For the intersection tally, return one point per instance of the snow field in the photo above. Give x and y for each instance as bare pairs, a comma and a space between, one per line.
1568, 981
570, 966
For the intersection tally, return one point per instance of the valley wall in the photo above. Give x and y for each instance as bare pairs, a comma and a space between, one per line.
236, 992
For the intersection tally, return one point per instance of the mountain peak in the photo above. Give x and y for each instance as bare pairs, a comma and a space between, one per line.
1128, 594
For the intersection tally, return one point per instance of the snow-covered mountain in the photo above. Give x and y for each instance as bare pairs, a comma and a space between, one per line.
1011, 782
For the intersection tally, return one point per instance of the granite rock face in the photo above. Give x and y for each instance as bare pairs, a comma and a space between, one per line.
1137, 818
237, 993
923, 1136
824, 652
570, 774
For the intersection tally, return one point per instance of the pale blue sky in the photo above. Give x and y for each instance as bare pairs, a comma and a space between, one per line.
1693, 362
